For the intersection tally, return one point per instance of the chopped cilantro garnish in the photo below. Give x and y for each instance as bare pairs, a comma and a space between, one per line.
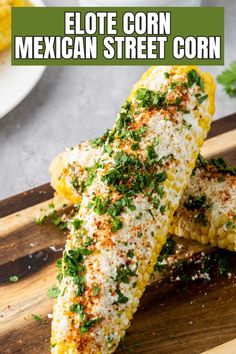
124, 119
73, 266
57, 220
151, 213
53, 292
151, 154
160, 191
40, 220
156, 202
202, 99
169, 247
163, 209
75, 182
100, 207
161, 177
230, 225
79, 282
164, 158
177, 101
13, 279
173, 84
100, 140
108, 149
88, 241
78, 308
96, 290
116, 224
73, 260
197, 203
39, 319
87, 324
166, 75
149, 99
77, 223
118, 207
59, 268
130, 254
122, 299
124, 273
135, 146
195, 78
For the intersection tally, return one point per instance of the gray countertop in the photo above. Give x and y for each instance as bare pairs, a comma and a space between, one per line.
71, 104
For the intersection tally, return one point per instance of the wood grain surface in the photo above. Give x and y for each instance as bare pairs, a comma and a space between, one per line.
171, 318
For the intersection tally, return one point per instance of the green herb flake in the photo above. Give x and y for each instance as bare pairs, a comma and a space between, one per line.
163, 209
74, 267
77, 223
135, 146
197, 203
96, 290
130, 254
151, 154
14, 279
53, 292
202, 99
230, 225
77, 308
116, 223
195, 78
39, 319
150, 99
160, 191
40, 220
124, 273
100, 207
100, 141
87, 324
122, 299
88, 241
169, 247
59, 269
156, 202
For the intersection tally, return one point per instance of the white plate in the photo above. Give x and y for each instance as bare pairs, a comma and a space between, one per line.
16, 82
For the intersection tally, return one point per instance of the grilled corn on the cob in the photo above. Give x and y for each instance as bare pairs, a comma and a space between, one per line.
207, 211
129, 197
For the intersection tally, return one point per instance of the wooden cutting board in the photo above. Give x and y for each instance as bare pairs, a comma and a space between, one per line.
171, 319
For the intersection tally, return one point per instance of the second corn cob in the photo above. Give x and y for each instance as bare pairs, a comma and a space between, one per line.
207, 211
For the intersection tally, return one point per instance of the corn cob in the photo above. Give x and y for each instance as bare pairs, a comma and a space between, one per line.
128, 201
207, 208
5, 20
